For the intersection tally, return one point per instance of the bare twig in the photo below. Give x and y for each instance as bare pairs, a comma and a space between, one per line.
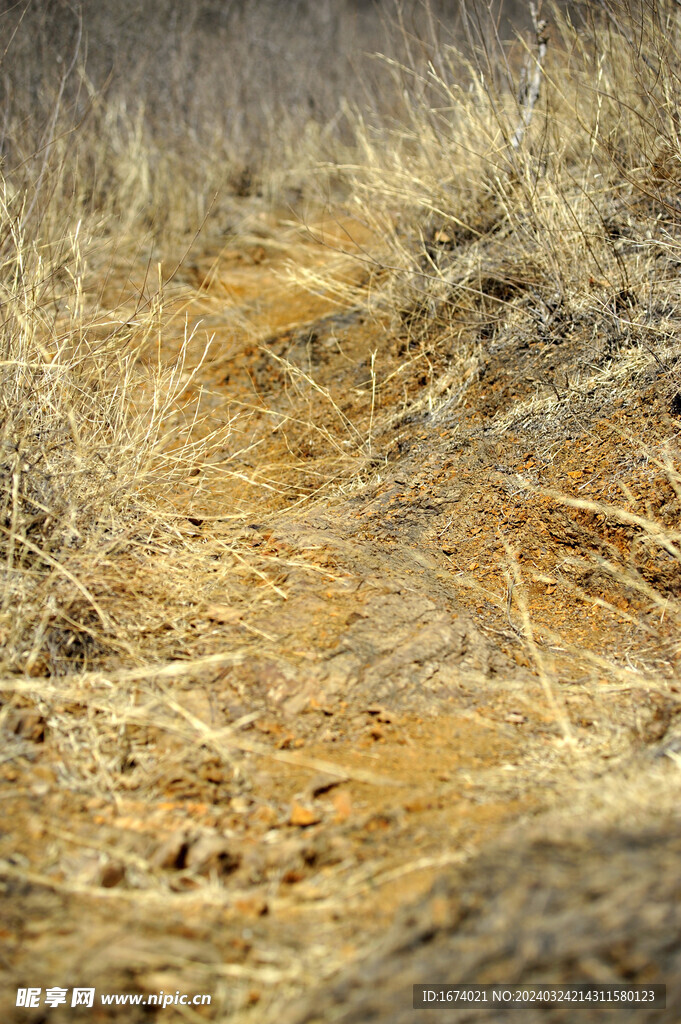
530, 89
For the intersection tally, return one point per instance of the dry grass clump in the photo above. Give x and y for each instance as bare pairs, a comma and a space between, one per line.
535, 218
82, 465
89, 449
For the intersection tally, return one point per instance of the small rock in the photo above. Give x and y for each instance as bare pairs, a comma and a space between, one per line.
303, 816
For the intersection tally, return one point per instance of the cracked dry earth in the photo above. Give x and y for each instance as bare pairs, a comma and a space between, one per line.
371, 777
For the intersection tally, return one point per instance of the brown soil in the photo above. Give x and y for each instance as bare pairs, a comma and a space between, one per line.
393, 722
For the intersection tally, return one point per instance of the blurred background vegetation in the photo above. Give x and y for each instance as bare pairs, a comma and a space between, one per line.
174, 101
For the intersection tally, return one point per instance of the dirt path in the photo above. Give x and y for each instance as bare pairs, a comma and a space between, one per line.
367, 710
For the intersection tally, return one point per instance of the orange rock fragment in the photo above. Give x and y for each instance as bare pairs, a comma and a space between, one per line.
303, 816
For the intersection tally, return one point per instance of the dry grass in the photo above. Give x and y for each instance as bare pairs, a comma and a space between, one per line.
484, 239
